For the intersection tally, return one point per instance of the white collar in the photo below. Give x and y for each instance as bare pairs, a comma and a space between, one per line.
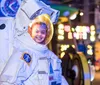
26, 40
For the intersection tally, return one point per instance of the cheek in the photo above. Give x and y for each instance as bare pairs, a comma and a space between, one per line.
44, 36
30, 31
33, 33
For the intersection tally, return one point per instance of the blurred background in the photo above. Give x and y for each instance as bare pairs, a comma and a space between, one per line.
78, 26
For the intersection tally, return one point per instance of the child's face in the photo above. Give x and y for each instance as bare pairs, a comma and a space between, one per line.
38, 33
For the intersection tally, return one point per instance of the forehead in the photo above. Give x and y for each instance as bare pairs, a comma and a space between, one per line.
40, 25
38, 28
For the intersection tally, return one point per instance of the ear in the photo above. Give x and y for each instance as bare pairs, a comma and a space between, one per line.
30, 31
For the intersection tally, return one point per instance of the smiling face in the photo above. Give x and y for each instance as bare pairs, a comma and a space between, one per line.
41, 29
39, 32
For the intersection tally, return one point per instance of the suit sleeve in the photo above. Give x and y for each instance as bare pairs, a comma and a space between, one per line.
56, 63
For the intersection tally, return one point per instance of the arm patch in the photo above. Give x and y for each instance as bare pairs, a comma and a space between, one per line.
27, 58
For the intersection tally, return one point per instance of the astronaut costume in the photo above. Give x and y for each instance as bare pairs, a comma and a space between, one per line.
32, 63
40, 66
28, 10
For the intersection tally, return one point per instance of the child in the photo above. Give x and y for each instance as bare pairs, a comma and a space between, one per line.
38, 32
32, 63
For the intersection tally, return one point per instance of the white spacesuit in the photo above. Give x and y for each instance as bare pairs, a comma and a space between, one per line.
28, 10
6, 39
31, 63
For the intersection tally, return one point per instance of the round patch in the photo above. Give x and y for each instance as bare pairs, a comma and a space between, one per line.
10, 7
27, 57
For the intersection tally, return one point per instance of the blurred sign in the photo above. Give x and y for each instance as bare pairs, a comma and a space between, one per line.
9, 7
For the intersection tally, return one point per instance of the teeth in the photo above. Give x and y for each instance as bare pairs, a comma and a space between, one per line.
38, 38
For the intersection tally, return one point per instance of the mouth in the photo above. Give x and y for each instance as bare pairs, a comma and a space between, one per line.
38, 38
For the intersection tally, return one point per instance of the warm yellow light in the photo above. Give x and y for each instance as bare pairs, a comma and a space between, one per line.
73, 46
92, 38
84, 29
90, 52
61, 26
73, 29
63, 47
67, 46
93, 32
81, 29
62, 54
73, 16
63, 19
61, 32
70, 35
81, 13
60, 37
92, 27
89, 46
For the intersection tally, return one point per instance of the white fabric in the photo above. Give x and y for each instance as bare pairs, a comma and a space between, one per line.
29, 73
64, 82
29, 10
6, 40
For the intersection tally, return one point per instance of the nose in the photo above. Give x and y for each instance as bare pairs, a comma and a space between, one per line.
39, 33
